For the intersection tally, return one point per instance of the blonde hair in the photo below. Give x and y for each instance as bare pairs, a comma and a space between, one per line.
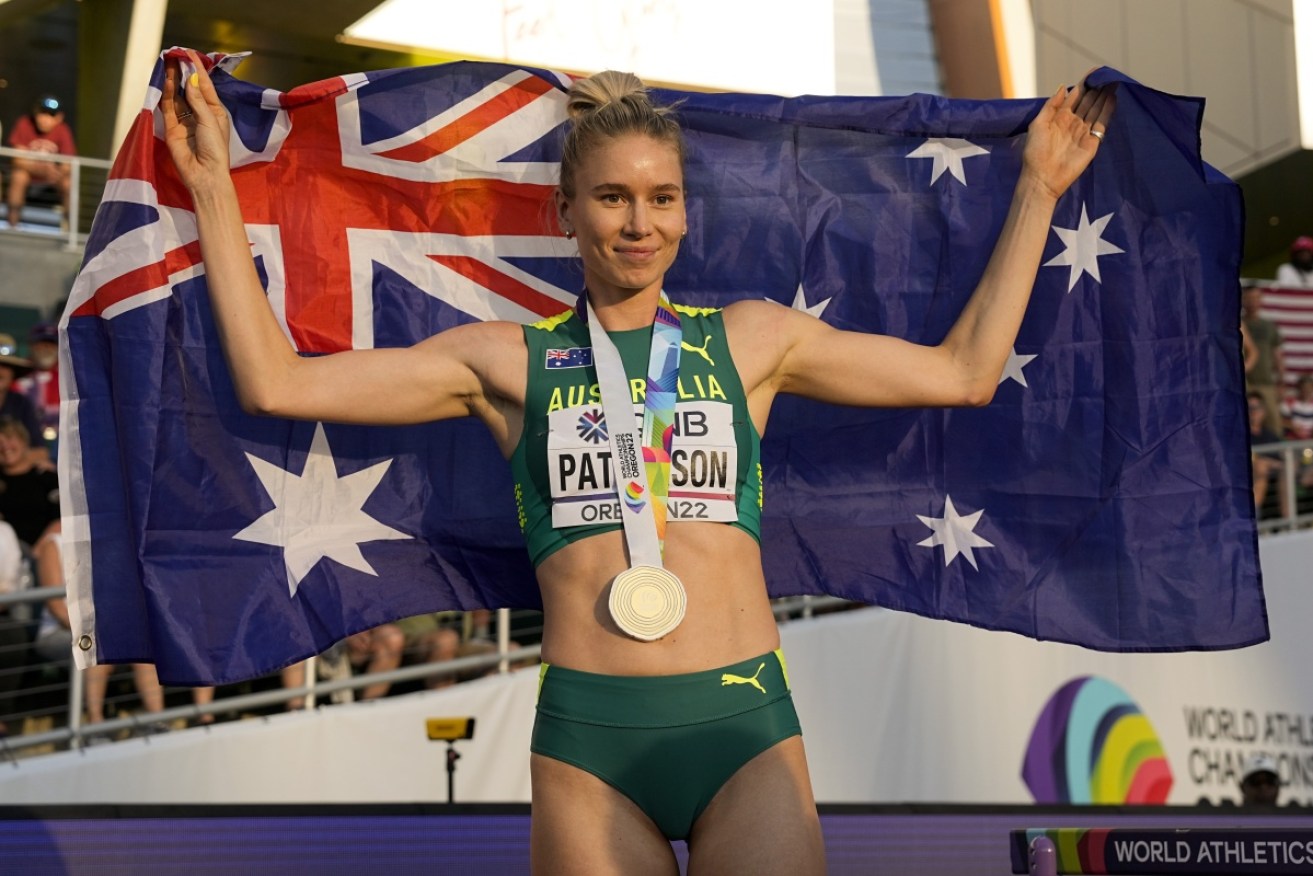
608, 105
11, 426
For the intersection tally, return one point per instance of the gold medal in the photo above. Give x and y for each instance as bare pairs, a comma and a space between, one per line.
647, 602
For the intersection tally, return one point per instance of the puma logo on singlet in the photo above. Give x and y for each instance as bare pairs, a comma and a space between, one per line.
731, 678
701, 351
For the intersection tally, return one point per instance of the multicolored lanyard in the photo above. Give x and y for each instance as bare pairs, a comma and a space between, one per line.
643, 489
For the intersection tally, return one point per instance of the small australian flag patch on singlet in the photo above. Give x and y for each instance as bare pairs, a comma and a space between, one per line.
575, 357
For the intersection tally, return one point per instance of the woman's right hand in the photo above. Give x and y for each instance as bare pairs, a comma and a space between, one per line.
195, 127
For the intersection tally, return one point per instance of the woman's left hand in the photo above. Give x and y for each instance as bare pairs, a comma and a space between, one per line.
1064, 137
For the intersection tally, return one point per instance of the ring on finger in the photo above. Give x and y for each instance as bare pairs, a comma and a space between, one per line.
186, 116
1094, 133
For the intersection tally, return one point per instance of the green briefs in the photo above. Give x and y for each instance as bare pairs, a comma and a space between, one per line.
667, 742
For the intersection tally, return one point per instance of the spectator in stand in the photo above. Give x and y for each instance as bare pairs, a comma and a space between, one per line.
1259, 783
1298, 272
376, 650
13, 404
14, 638
41, 131
54, 643
1267, 376
1267, 466
446, 635
1250, 351
29, 500
1297, 411
41, 387
29, 495
294, 676
1297, 416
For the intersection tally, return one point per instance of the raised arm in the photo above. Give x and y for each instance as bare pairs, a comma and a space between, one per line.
471, 370
781, 350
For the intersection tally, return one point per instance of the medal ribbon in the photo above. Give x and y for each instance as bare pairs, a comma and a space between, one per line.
643, 489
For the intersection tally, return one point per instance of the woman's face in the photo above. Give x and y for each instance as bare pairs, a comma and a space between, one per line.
44, 354
1257, 413
13, 450
627, 214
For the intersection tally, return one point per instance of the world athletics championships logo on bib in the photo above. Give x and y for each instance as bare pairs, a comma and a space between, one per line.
1092, 744
592, 426
634, 497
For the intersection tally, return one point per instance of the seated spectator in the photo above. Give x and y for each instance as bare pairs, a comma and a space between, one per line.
54, 639
446, 635
29, 498
54, 643
1297, 410
331, 665
376, 650
1265, 371
1267, 466
13, 404
1298, 272
41, 131
294, 676
41, 386
1250, 350
13, 629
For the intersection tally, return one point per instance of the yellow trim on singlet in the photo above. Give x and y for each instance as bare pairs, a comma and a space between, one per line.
552, 322
694, 311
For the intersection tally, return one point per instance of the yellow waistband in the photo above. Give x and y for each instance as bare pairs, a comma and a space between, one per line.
779, 655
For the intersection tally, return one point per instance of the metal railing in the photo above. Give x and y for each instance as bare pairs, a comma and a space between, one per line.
88, 172
71, 732
1290, 505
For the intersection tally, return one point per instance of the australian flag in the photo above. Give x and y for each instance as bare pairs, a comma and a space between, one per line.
572, 357
1103, 498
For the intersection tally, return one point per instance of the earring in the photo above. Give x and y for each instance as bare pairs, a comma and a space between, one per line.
569, 235
685, 234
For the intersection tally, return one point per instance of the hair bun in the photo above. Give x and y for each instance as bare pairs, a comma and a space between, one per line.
601, 90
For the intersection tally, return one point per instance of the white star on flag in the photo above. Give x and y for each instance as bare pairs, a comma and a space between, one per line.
954, 532
1012, 370
1084, 244
947, 153
317, 514
800, 303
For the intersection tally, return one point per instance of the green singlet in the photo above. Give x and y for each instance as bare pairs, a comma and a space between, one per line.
564, 490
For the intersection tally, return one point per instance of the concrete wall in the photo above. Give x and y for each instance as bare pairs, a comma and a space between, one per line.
37, 272
1238, 54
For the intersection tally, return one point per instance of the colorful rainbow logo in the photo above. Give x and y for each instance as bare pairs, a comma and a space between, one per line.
656, 455
1092, 744
634, 496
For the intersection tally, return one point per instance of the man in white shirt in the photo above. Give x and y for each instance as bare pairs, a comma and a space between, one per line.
1298, 272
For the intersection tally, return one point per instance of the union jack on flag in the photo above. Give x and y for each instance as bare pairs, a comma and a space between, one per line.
1101, 499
